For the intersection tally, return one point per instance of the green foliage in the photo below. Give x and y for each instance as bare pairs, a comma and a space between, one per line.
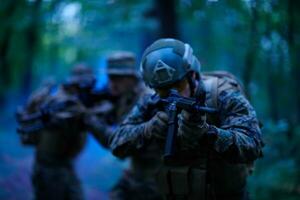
277, 174
256, 40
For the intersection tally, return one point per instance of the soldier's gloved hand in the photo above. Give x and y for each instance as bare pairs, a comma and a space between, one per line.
191, 128
157, 127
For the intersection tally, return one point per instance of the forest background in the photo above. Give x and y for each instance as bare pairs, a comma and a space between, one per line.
257, 40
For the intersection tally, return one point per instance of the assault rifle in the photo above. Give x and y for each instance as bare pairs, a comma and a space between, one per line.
174, 104
86, 92
83, 91
40, 119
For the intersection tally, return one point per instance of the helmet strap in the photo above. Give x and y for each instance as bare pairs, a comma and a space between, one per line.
200, 92
192, 83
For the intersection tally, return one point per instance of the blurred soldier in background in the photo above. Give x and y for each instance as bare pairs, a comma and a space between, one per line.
124, 82
53, 120
123, 90
56, 119
207, 151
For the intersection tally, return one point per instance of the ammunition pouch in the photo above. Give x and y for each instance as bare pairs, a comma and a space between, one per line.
186, 182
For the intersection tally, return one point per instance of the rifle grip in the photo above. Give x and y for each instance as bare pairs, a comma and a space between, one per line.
172, 132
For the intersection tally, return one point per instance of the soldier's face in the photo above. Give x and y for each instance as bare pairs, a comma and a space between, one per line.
182, 87
120, 85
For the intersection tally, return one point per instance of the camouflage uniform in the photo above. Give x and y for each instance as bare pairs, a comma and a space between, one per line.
232, 143
57, 144
53, 175
122, 64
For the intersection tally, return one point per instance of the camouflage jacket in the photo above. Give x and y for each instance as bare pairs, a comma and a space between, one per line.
237, 143
62, 136
101, 127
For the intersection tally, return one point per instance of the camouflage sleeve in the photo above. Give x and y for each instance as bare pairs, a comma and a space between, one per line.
239, 135
99, 129
28, 129
39, 96
128, 138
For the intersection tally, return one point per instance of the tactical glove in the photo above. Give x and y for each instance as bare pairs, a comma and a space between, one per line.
191, 128
157, 127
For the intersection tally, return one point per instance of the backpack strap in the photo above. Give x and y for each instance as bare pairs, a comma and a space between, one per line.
211, 86
229, 81
217, 81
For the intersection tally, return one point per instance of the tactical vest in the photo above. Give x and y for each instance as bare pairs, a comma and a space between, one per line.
193, 179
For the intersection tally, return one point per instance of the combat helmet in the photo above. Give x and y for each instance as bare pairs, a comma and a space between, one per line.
167, 61
122, 63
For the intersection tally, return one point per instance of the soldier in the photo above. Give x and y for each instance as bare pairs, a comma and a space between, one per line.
53, 121
213, 152
124, 89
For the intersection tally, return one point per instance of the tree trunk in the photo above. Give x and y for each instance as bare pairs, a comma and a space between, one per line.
253, 47
5, 69
166, 14
293, 33
272, 88
32, 37
293, 10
